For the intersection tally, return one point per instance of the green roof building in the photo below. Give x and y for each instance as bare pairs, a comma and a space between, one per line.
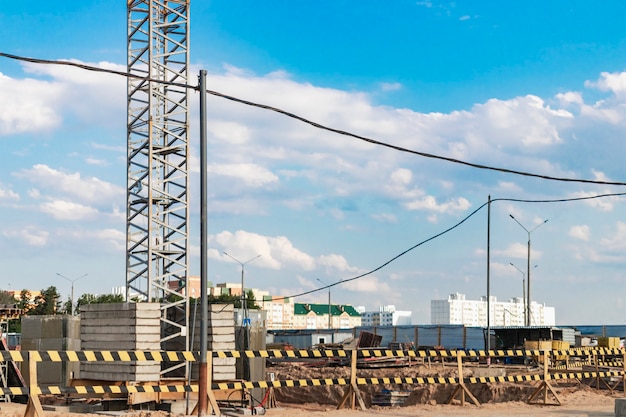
316, 316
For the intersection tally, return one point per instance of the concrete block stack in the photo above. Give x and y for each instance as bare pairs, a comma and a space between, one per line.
121, 326
54, 333
221, 336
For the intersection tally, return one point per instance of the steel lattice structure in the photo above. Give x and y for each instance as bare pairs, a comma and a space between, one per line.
157, 225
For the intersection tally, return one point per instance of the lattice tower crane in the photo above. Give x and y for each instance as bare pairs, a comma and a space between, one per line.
157, 223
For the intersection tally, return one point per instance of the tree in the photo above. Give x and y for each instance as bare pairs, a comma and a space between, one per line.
47, 303
251, 301
98, 299
24, 303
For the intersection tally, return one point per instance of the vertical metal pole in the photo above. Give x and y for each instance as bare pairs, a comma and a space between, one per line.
528, 283
243, 302
488, 277
524, 296
204, 311
330, 323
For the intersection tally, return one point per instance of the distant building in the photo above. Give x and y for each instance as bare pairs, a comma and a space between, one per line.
457, 310
279, 312
17, 294
386, 316
315, 316
230, 288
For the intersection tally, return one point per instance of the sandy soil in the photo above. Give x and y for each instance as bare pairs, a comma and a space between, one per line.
576, 402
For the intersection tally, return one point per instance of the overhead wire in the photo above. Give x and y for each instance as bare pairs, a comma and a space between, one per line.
353, 135
378, 268
316, 124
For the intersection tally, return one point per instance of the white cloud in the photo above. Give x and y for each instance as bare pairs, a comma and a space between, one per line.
276, 252
90, 189
429, 203
368, 284
581, 232
8, 194
614, 82
526, 120
83, 91
27, 105
604, 204
617, 242
401, 176
570, 97
518, 251
252, 174
31, 235
109, 239
335, 263
67, 210
231, 132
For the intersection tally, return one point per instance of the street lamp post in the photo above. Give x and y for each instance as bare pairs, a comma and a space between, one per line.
523, 287
528, 266
330, 324
243, 291
72, 290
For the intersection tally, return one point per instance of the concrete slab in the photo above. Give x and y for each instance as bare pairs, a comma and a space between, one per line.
620, 407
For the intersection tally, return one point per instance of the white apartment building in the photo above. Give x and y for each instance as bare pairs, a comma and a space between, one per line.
385, 316
279, 312
457, 310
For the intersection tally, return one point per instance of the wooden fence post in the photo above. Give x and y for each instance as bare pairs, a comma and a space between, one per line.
461, 388
545, 384
33, 408
353, 389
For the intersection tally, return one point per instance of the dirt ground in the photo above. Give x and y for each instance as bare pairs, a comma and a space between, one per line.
578, 398
581, 402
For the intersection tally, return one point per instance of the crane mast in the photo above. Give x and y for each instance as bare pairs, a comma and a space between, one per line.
157, 223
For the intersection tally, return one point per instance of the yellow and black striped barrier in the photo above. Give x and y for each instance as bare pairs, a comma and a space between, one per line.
237, 385
177, 356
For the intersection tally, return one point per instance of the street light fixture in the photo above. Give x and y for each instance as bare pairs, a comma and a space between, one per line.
72, 281
243, 291
523, 286
528, 266
330, 324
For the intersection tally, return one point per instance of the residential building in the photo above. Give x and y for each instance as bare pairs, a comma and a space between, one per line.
279, 312
315, 316
386, 315
458, 310
235, 289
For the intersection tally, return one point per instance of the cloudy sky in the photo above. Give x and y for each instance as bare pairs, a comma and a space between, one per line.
531, 87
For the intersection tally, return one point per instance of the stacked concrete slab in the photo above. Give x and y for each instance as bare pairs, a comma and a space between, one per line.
55, 333
121, 326
220, 337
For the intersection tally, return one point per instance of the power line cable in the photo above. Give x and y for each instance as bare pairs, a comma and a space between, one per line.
560, 200
317, 125
363, 138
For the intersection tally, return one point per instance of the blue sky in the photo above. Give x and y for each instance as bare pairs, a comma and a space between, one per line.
532, 86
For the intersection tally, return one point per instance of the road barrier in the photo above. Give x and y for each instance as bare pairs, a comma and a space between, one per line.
599, 358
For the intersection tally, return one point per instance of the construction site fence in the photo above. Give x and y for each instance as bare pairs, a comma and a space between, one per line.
574, 357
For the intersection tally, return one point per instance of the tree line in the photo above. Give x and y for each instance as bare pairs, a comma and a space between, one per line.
49, 302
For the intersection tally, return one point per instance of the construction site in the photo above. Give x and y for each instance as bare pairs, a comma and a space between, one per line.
154, 354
